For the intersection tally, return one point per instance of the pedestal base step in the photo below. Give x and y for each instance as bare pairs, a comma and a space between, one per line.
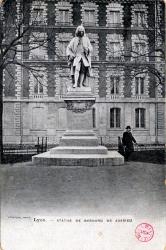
79, 150
112, 158
79, 133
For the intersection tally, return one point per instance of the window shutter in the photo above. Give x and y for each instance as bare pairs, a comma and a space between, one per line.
94, 117
118, 118
142, 85
142, 114
137, 118
111, 118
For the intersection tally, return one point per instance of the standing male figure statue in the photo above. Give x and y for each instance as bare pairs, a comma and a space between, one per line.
79, 57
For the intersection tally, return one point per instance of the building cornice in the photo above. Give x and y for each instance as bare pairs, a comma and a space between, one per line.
98, 100
73, 27
94, 1
108, 1
108, 63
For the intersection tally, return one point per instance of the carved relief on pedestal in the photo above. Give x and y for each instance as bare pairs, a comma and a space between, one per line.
79, 106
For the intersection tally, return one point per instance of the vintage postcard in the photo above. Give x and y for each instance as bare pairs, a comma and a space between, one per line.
82, 125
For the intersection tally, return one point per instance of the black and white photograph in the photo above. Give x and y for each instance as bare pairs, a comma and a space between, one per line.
82, 125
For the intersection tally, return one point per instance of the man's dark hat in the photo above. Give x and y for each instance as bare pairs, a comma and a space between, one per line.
128, 127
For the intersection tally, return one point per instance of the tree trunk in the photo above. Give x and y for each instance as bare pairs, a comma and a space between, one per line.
1, 86
1, 114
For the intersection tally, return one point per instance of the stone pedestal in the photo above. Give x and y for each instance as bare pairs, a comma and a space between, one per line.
79, 144
79, 102
79, 113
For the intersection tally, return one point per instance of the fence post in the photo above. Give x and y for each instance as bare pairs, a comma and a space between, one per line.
120, 146
37, 145
119, 143
42, 146
46, 144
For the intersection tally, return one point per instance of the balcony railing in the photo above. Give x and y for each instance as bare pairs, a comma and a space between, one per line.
139, 26
114, 25
62, 58
38, 58
141, 96
38, 96
114, 96
38, 22
139, 59
89, 23
115, 58
61, 23
94, 58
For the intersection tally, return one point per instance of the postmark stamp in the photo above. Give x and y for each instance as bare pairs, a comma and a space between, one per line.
144, 232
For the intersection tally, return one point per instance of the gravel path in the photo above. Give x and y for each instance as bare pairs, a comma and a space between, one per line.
136, 188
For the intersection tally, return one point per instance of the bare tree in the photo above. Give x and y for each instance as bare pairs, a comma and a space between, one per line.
16, 37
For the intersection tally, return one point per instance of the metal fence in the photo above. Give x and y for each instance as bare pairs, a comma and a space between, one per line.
25, 149
139, 147
13, 153
22, 150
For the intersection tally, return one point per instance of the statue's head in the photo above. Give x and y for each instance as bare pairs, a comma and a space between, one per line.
80, 31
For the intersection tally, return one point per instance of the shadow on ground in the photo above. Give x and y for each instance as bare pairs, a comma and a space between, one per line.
151, 156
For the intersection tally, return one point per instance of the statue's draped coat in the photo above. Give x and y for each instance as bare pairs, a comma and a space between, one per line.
72, 50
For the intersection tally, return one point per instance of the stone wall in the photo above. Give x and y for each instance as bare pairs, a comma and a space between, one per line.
25, 121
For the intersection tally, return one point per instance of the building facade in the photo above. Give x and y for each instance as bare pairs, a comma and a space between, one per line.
124, 35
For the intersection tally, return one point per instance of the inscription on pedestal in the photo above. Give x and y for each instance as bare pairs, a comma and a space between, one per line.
80, 120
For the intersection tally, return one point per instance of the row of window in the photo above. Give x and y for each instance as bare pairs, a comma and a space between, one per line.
115, 118
115, 85
114, 47
139, 85
89, 13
